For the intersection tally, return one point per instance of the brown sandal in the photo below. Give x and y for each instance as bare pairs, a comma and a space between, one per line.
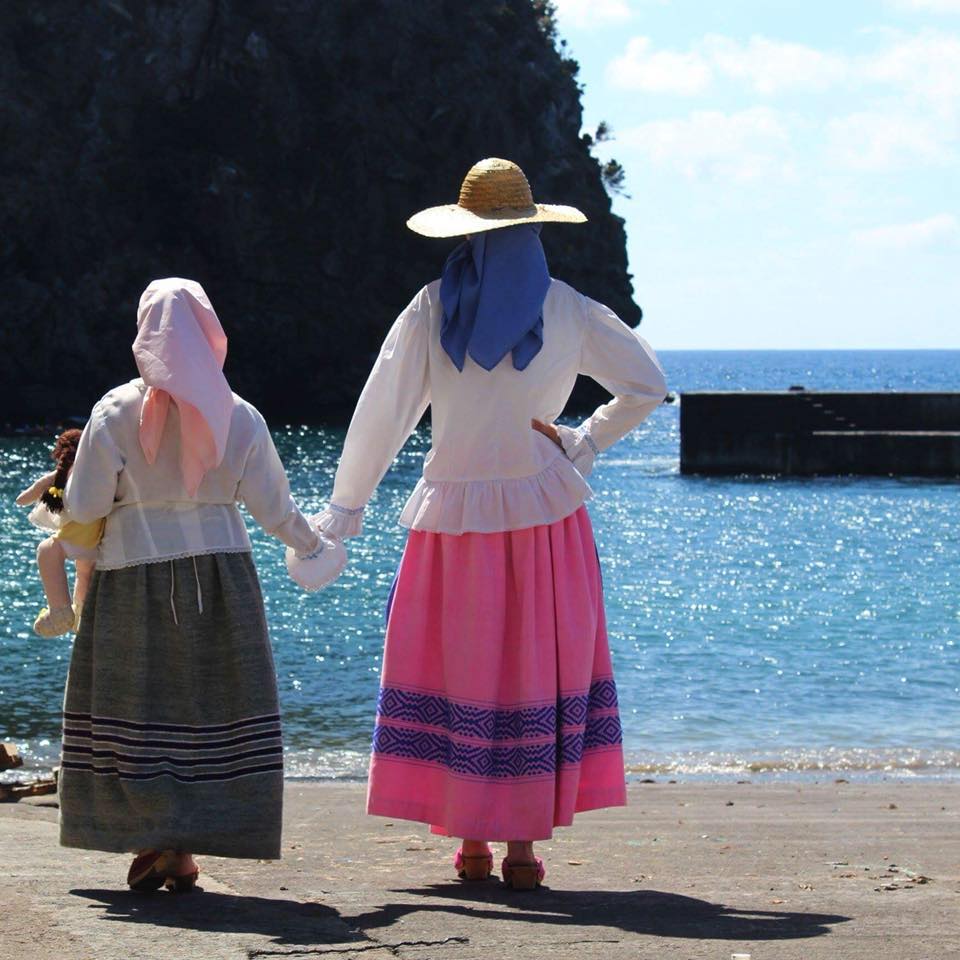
523, 876
185, 883
473, 866
148, 871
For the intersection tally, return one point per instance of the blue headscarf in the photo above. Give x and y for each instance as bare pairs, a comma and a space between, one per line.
492, 291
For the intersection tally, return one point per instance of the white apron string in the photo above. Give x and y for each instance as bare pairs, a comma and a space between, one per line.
173, 606
173, 585
196, 577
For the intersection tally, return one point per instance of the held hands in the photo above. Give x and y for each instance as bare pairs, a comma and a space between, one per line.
315, 570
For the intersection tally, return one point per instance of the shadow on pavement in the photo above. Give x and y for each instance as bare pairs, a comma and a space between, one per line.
284, 921
648, 912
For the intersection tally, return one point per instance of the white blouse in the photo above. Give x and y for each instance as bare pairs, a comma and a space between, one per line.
150, 516
488, 470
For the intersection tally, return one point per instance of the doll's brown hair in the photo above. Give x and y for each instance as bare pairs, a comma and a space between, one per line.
64, 453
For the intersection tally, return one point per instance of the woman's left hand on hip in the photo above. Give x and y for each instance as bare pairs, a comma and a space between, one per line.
549, 430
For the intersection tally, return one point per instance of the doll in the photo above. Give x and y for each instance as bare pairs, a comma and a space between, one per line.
70, 541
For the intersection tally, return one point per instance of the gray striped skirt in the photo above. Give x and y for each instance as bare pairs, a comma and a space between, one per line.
171, 730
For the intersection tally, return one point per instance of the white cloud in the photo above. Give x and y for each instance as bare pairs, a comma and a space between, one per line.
663, 71
942, 228
931, 6
916, 120
903, 98
884, 140
742, 146
583, 14
765, 66
772, 66
924, 65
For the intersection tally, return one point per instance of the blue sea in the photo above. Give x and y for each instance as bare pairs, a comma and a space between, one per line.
759, 626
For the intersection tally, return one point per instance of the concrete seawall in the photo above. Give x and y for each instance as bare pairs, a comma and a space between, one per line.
803, 433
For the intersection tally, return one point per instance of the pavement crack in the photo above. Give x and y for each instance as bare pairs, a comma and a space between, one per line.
570, 943
394, 948
361, 948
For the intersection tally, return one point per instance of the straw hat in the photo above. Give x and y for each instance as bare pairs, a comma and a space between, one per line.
494, 194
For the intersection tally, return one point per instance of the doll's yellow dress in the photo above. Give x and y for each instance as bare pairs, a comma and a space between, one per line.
86, 536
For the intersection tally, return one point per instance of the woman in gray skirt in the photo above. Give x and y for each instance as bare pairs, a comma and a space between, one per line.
171, 735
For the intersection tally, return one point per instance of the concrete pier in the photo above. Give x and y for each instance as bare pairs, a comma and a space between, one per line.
696, 871
806, 433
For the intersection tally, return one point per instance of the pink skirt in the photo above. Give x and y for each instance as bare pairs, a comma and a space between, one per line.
497, 717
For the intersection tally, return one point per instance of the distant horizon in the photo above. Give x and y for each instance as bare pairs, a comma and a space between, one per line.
806, 349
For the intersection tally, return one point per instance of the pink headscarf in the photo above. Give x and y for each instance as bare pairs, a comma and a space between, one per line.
180, 348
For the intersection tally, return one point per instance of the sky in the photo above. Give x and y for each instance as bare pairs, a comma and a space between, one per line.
793, 168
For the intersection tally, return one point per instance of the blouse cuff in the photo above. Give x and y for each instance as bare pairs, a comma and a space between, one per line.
579, 447
340, 522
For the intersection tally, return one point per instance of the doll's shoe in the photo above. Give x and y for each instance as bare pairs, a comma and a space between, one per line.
523, 876
55, 622
148, 871
476, 866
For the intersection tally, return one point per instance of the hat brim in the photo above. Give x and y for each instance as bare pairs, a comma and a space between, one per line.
452, 220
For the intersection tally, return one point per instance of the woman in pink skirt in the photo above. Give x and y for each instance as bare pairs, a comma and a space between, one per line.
497, 718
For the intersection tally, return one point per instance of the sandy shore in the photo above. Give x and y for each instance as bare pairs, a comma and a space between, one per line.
778, 871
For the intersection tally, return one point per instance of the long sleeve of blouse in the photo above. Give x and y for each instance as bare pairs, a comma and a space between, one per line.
265, 491
395, 396
624, 364
92, 485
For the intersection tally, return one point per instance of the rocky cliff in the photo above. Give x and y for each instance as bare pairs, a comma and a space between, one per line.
272, 151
